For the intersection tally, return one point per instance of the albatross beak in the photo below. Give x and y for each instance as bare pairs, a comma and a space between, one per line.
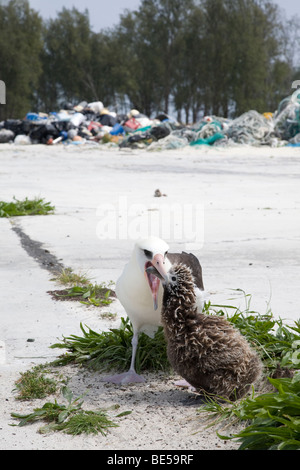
155, 271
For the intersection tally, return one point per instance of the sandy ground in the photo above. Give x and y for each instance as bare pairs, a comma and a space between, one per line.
236, 208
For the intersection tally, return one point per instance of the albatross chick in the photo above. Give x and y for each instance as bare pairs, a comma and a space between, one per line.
206, 350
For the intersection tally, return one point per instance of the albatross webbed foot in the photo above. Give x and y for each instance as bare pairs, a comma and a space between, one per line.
184, 384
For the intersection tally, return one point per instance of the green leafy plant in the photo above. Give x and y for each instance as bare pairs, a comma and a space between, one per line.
69, 418
277, 344
275, 418
68, 277
112, 349
81, 289
91, 294
36, 206
35, 384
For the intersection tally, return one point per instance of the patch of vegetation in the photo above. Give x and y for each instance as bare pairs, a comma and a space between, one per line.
91, 294
70, 418
34, 383
277, 344
109, 315
68, 277
112, 349
81, 289
27, 206
274, 417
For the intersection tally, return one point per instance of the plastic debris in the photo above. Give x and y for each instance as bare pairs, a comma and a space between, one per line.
296, 139
251, 128
208, 140
6, 135
170, 142
96, 107
22, 139
287, 117
93, 123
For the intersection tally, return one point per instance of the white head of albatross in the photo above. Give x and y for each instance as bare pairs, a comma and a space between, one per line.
140, 292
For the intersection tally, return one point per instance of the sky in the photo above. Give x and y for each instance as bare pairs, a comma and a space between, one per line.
105, 13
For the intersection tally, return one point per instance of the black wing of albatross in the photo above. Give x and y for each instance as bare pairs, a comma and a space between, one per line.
140, 292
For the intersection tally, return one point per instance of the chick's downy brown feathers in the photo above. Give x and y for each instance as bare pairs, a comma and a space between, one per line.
206, 350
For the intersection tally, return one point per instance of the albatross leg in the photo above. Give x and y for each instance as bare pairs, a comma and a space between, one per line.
130, 376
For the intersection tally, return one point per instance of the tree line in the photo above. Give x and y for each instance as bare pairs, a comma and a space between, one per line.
220, 57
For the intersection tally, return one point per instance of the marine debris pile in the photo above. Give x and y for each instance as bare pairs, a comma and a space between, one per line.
92, 123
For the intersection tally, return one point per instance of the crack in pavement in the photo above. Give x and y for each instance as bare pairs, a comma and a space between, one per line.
36, 251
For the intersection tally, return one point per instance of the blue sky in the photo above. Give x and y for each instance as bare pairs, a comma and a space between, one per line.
105, 13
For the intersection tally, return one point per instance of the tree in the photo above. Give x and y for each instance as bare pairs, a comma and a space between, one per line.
220, 57
243, 44
257, 48
189, 83
67, 59
149, 38
20, 48
141, 62
172, 17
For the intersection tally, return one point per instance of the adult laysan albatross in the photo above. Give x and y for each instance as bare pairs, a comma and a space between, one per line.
140, 292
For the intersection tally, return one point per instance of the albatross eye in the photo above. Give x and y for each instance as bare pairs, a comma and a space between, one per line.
148, 254
173, 278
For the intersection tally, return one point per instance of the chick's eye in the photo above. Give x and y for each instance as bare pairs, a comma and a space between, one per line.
173, 278
148, 254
